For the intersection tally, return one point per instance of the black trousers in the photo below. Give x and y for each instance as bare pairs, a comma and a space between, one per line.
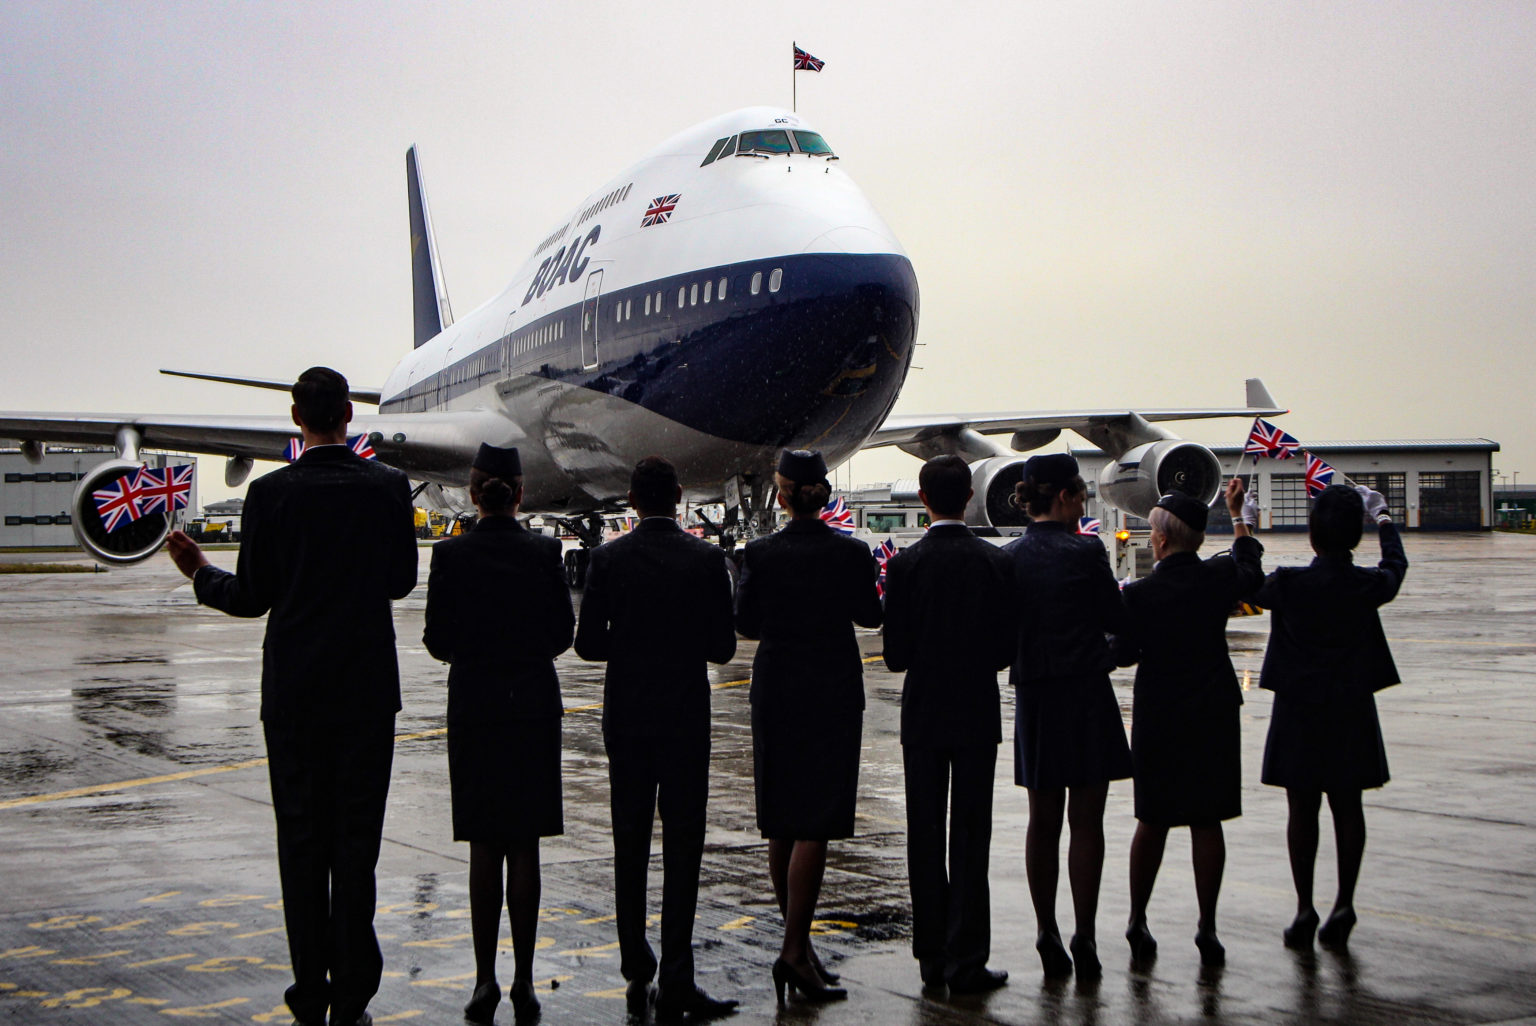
644, 774
329, 783
951, 910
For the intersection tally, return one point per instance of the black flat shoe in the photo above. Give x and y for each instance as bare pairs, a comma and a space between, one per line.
693, 1003
483, 1002
932, 972
1086, 953
1053, 957
786, 975
1298, 936
1334, 934
978, 981
1143, 944
1212, 954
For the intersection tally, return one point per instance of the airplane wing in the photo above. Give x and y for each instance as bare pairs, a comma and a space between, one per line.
927, 435
433, 446
357, 395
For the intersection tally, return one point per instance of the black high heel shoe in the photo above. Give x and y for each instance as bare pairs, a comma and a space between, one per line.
1086, 953
1143, 944
1053, 957
1212, 953
827, 976
483, 1002
786, 975
1334, 934
525, 1005
1298, 936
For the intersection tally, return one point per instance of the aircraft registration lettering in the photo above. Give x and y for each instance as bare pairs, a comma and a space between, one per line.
567, 264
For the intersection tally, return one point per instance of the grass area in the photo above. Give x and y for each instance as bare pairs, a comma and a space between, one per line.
50, 568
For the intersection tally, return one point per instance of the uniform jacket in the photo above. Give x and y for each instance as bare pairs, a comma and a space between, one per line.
326, 543
950, 624
657, 608
499, 611
1325, 632
1176, 624
1068, 600
801, 590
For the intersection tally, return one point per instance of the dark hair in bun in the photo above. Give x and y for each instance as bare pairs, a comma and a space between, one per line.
805, 498
492, 494
1035, 496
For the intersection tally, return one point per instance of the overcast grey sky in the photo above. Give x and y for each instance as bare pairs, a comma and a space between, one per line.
1106, 204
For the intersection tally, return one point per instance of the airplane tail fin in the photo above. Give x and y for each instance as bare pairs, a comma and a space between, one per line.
433, 312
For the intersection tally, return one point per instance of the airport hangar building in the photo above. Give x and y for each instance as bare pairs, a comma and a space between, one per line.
1443, 484
1430, 484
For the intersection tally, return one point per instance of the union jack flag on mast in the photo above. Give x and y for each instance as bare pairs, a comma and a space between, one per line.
803, 62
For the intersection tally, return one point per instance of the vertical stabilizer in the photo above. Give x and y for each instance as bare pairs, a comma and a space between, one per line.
433, 313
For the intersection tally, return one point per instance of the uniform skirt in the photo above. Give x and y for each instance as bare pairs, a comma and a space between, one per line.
504, 775
1334, 745
805, 772
1188, 762
1067, 732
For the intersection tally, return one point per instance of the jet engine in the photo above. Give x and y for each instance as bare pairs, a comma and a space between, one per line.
992, 482
1142, 475
132, 542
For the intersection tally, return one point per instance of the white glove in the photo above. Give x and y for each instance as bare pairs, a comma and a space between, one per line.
1375, 503
1250, 514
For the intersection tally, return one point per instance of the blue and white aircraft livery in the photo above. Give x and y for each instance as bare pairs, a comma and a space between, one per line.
730, 294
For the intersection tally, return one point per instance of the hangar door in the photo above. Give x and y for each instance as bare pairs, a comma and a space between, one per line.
1451, 500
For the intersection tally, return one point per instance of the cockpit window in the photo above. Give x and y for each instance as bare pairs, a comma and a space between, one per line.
768, 141
813, 143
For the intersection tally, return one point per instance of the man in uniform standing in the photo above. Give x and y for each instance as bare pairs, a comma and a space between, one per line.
327, 542
950, 623
657, 608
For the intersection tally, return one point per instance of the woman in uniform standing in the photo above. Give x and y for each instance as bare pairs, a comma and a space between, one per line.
801, 591
1185, 742
1327, 657
1069, 740
499, 611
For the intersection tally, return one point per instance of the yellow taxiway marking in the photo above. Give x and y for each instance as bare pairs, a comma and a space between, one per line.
168, 778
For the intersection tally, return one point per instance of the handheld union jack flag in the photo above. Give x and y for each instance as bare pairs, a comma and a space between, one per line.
121, 502
1268, 440
660, 210
883, 553
1089, 525
165, 490
295, 449
361, 446
1319, 476
805, 62
838, 516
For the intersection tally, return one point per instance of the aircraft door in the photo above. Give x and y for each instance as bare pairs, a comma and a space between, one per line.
589, 320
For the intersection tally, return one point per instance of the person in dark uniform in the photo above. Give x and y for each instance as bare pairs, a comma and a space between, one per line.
499, 612
327, 542
1069, 741
1327, 657
1185, 745
801, 590
951, 627
657, 609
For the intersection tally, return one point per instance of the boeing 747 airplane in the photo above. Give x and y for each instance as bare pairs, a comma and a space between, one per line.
730, 294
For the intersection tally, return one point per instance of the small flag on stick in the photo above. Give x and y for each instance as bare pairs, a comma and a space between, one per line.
838, 516
1268, 440
1319, 476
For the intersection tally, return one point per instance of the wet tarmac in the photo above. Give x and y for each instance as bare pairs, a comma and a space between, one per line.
138, 878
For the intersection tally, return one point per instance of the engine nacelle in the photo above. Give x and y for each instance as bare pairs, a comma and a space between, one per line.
1141, 476
992, 482
131, 542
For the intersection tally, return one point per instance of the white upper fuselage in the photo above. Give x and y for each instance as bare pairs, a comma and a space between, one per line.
596, 351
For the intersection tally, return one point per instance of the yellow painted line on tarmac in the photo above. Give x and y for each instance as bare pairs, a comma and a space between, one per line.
206, 771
